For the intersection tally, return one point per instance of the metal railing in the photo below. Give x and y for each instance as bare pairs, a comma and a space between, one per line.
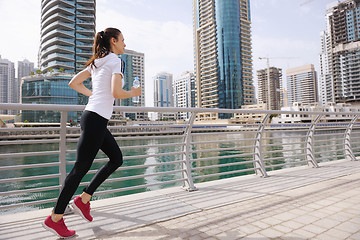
34, 160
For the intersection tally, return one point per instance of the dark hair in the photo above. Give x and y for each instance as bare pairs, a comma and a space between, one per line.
101, 46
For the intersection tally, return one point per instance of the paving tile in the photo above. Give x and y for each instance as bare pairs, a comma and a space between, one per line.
306, 219
282, 228
248, 229
255, 236
293, 224
314, 229
261, 224
285, 216
348, 227
304, 233
336, 233
271, 221
271, 233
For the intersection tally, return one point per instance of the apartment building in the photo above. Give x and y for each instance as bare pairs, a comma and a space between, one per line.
301, 84
339, 78
183, 94
67, 33
269, 87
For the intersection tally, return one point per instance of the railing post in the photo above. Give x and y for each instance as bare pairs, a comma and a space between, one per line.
349, 154
62, 155
258, 156
62, 147
189, 183
310, 156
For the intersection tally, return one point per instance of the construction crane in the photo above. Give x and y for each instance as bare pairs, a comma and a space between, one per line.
268, 76
306, 2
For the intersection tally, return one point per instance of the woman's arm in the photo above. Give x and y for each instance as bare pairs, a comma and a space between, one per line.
76, 82
117, 90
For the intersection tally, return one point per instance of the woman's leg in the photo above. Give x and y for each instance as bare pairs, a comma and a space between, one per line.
91, 139
111, 149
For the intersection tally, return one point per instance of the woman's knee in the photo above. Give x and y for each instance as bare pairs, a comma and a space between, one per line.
117, 161
81, 169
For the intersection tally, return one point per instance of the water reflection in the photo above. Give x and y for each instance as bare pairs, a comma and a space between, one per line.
215, 152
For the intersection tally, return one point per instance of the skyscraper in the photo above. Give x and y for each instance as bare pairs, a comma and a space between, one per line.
163, 93
67, 32
182, 93
7, 84
340, 53
223, 59
301, 84
270, 92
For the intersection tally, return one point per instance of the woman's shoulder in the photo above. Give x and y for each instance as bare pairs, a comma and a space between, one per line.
113, 57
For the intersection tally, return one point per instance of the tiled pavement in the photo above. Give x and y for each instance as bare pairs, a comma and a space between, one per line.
297, 203
326, 210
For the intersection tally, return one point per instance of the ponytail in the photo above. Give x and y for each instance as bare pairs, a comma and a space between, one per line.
101, 46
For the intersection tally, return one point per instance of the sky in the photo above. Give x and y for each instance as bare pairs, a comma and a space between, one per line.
285, 31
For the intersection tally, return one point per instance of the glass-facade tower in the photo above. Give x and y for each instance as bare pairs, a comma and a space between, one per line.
223, 60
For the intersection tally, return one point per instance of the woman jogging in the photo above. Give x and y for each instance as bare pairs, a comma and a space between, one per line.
106, 69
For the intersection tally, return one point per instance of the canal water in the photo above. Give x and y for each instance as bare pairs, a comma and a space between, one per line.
288, 146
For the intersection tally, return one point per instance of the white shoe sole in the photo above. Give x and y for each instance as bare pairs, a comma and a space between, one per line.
54, 232
78, 211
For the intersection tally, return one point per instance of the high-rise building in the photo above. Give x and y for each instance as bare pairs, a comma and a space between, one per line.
182, 93
340, 53
134, 67
284, 98
8, 84
269, 87
24, 68
223, 58
163, 93
67, 32
301, 84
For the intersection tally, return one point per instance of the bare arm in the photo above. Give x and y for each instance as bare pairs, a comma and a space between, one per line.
76, 83
117, 90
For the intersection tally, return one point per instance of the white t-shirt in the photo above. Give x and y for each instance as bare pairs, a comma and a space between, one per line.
101, 101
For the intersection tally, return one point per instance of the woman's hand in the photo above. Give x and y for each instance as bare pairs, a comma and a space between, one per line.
136, 91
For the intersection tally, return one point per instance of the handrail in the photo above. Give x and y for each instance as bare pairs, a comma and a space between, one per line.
131, 109
168, 154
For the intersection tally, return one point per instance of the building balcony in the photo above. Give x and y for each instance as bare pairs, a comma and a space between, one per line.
57, 17
85, 9
58, 64
57, 9
57, 33
57, 41
57, 48
57, 56
58, 25
46, 5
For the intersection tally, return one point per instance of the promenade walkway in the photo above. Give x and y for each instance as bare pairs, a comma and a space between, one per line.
295, 203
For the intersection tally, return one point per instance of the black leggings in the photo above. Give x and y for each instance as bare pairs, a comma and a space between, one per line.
94, 136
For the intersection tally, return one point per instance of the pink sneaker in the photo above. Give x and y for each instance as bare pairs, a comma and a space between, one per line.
82, 209
59, 228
